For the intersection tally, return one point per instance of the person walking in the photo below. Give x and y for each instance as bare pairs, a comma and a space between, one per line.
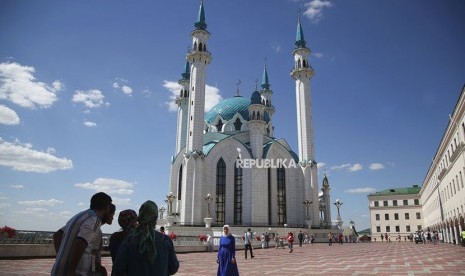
382, 237
248, 238
146, 251
263, 241
73, 241
127, 220
312, 238
300, 236
290, 241
226, 259
330, 238
340, 238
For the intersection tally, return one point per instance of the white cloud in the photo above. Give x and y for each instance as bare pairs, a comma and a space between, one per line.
126, 90
376, 166
115, 85
21, 157
276, 47
42, 202
91, 98
118, 201
51, 150
17, 186
317, 55
8, 116
18, 85
108, 185
66, 214
89, 124
314, 9
81, 204
321, 165
355, 167
366, 190
348, 167
212, 95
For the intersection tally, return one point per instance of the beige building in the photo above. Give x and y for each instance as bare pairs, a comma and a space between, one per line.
443, 192
395, 211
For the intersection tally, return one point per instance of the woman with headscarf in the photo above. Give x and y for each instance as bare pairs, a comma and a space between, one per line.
127, 219
226, 260
146, 251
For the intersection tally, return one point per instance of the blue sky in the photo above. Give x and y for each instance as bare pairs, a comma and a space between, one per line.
86, 86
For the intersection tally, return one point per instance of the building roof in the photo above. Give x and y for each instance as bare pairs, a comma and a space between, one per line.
415, 189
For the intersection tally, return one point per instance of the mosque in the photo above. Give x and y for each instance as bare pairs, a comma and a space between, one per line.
230, 155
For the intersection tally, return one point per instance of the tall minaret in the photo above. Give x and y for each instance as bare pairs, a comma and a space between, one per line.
199, 58
182, 101
266, 96
302, 72
191, 201
257, 124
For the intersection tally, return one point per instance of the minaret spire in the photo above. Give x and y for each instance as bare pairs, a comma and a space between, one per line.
200, 23
265, 81
299, 38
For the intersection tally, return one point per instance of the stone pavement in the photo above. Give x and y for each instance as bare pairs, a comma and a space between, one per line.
395, 258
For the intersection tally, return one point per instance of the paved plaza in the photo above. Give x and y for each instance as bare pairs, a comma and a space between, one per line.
404, 258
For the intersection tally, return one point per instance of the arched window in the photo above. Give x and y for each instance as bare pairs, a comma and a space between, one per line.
299, 64
258, 115
237, 195
238, 124
281, 173
179, 183
195, 46
219, 126
305, 64
253, 115
204, 47
200, 46
220, 191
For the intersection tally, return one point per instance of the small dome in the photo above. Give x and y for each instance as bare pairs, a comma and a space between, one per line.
256, 98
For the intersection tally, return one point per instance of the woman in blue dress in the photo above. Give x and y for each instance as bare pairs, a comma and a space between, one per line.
226, 260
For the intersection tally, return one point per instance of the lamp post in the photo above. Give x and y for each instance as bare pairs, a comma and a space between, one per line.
161, 211
338, 204
170, 197
208, 199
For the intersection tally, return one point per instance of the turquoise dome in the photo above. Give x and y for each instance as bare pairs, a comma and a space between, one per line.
227, 108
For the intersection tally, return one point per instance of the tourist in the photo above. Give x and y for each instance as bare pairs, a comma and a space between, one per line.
382, 237
97, 245
306, 238
146, 251
312, 238
162, 230
290, 241
330, 238
267, 239
340, 239
127, 220
226, 259
300, 236
248, 238
263, 241
73, 241
276, 240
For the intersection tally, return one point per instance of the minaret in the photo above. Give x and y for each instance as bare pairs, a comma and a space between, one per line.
257, 124
191, 202
326, 198
182, 101
266, 99
301, 73
199, 58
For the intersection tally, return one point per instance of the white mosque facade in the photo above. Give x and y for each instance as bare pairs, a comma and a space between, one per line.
231, 153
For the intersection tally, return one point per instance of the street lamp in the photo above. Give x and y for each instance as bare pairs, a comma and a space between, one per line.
338, 204
171, 197
208, 199
161, 211
307, 204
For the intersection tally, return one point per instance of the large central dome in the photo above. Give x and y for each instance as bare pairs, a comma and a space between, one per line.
227, 108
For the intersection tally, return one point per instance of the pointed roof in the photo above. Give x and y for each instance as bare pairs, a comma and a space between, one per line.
200, 23
325, 181
186, 74
265, 81
299, 38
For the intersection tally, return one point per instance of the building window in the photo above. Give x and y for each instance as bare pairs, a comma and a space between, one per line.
419, 227
376, 203
418, 216
281, 196
407, 216
377, 216
407, 228
394, 202
397, 228
385, 203
238, 124
405, 202
219, 126
378, 229
388, 228
416, 202
386, 216
220, 191
237, 195
396, 217
179, 183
